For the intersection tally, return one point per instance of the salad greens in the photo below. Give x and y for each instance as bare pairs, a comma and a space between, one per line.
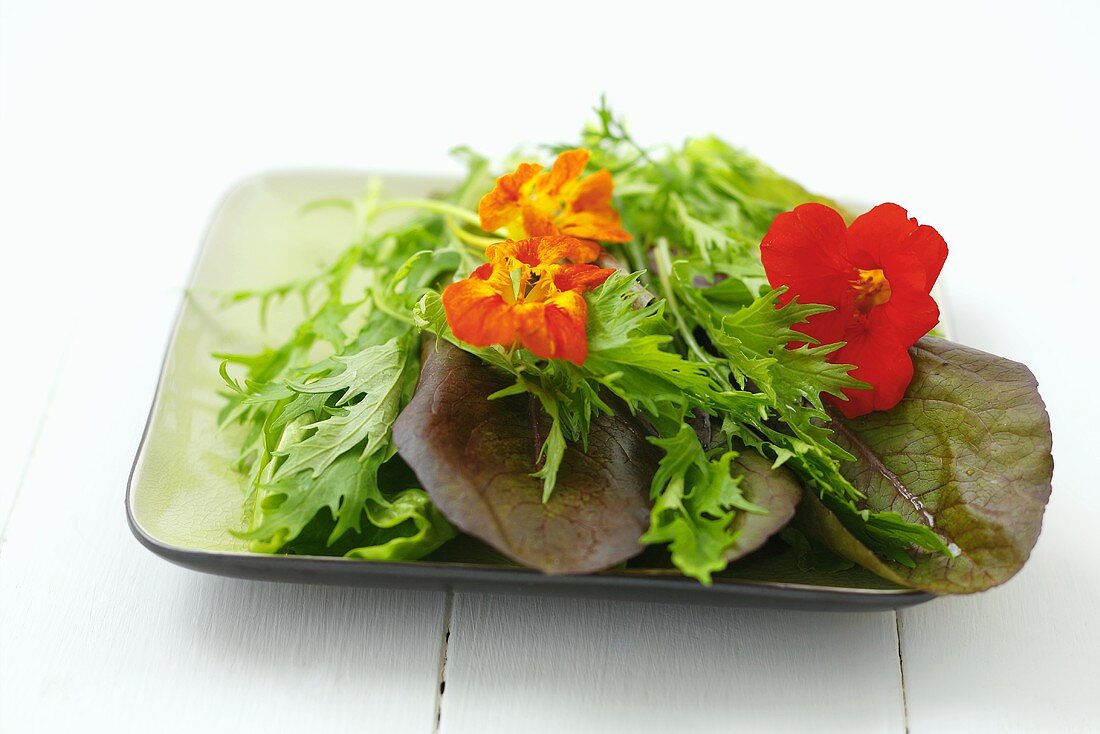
691, 427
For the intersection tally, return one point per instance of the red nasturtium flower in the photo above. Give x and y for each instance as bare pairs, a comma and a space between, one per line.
526, 294
531, 202
877, 274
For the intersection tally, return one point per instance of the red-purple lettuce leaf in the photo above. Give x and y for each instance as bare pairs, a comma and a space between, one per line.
475, 458
775, 490
967, 451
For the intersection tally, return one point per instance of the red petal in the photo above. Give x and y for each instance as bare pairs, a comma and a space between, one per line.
528, 251
805, 250
879, 237
881, 230
885, 365
829, 327
927, 244
906, 317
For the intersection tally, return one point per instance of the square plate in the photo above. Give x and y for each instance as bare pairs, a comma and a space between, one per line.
184, 497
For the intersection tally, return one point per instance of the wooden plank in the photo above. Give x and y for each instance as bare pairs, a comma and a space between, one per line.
45, 338
96, 630
36, 306
560, 665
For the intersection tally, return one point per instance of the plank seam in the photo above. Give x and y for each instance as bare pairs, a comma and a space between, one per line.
441, 678
901, 672
39, 431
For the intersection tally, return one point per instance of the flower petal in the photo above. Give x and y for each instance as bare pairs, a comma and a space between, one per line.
555, 249
568, 166
911, 257
591, 214
537, 224
905, 318
927, 244
804, 250
829, 327
593, 193
581, 278
595, 226
555, 328
478, 313
880, 231
886, 366
500, 205
566, 318
887, 232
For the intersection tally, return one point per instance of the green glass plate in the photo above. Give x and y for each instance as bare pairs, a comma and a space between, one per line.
184, 497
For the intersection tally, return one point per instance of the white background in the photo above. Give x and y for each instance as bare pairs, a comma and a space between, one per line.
122, 123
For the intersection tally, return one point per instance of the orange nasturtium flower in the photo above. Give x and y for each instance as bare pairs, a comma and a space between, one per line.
531, 202
526, 294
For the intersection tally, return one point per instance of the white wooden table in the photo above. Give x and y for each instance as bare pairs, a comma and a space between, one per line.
120, 125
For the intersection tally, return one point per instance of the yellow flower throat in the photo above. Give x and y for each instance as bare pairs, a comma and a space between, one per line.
872, 289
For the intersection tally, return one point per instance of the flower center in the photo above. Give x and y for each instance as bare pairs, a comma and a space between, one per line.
872, 289
527, 284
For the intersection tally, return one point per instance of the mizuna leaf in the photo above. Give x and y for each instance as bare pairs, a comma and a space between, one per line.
967, 451
380, 374
695, 501
475, 457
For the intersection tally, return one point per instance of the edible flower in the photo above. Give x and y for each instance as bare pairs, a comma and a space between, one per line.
526, 294
877, 274
531, 202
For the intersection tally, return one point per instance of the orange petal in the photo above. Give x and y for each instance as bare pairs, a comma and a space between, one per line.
526, 251
499, 253
503, 259
478, 314
498, 206
566, 317
569, 165
537, 224
531, 328
556, 249
555, 328
593, 194
595, 226
536, 251
581, 278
